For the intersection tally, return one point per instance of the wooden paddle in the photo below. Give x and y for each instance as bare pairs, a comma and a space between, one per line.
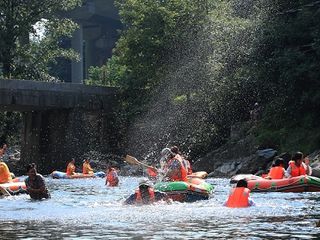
132, 160
4, 191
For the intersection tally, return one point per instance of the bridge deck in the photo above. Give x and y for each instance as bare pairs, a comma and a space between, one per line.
25, 95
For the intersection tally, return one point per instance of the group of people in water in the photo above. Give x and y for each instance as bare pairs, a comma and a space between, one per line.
297, 166
174, 167
112, 178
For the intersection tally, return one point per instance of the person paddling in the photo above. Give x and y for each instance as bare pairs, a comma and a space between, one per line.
35, 183
240, 196
145, 194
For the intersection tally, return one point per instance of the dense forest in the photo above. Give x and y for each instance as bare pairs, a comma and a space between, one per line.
188, 70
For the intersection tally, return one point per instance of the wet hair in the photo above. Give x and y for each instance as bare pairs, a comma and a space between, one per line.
297, 156
278, 162
242, 183
175, 150
30, 166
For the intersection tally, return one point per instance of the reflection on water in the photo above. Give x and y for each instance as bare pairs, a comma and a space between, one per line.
87, 209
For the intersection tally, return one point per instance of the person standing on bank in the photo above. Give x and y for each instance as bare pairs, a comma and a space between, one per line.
35, 183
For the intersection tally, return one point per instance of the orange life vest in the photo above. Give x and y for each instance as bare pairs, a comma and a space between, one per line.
276, 172
86, 168
297, 171
111, 179
151, 172
239, 198
70, 169
183, 171
151, 195
5, 175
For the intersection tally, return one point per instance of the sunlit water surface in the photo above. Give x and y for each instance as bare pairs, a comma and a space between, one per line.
87, 209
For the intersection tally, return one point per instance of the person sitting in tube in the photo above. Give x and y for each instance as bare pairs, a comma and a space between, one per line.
240, 196
86, 167
5, 175
186, 162
145, 194
174, 169
71, 168
277, 171
297, 167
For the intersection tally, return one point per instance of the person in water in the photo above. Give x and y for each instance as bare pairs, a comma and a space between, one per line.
86, 167
240, 196
112, 179
297, 167
277, 171
146, 194
3, 150
186, 162
174, 170
71, 168
35, 183
5, 175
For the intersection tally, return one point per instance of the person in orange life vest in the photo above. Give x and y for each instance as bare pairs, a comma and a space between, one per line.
86, 167
71, 168
5, 175
240, 196
112, 179
297, 167
185, 162
277, 171
146, 194
175, 171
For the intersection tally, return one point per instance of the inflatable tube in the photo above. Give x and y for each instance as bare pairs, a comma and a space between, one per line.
303, 183
194, 190
63, 175
13, 188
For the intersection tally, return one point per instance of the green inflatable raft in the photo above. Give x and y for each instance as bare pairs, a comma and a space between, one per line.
196, 189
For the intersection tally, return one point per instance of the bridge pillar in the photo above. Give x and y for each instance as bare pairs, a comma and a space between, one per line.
43, 140
77, 66
52, 137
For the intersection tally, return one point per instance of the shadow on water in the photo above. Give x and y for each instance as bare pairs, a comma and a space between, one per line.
87, 209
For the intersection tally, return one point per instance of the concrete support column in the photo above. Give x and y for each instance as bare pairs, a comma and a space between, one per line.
77, 66
30, 151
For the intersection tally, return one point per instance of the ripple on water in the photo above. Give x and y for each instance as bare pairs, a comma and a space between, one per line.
86, 208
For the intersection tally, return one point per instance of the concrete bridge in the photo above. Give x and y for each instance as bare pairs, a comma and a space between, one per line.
60, 120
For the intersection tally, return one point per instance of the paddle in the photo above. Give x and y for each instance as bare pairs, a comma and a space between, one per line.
132, 160
4, 191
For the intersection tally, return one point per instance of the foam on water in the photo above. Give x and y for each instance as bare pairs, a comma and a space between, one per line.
86, 208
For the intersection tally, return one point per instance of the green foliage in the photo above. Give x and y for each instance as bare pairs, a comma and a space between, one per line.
22, 58
10, 127
189, 70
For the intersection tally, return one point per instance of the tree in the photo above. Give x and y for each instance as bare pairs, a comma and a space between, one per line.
18, 55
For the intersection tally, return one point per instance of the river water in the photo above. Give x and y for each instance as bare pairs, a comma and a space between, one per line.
87, 209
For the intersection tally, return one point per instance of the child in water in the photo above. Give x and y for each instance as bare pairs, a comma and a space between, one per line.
240, 196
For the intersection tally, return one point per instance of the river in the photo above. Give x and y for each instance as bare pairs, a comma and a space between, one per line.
87, 209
